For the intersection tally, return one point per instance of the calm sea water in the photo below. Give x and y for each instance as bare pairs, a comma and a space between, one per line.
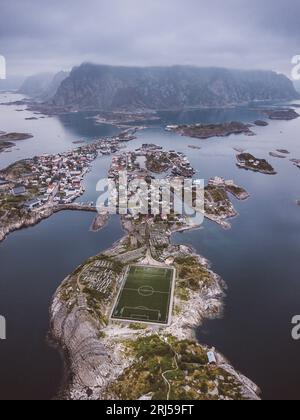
33, 264
51, 135
258, 258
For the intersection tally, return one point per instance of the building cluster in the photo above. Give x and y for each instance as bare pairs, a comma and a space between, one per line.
220, 182
181, 165
99, 276
127, 162
155, 195
131, 162
217, 201
149, 148
245, 160
58, 178
158, 240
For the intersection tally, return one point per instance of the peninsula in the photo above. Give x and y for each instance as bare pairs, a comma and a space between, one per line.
142, 355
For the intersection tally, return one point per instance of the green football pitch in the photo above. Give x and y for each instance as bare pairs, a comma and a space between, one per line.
146, 295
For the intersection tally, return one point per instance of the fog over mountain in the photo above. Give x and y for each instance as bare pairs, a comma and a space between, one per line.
297, 85
34, 85
11, 83
133, 88
43, 86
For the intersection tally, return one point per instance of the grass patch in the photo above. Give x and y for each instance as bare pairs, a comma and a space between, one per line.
146, 295
192, 276
193, 380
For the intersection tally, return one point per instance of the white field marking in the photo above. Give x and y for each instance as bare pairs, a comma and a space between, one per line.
139, 309
171, 297
137, 316
146, 291
122, 288
154, 291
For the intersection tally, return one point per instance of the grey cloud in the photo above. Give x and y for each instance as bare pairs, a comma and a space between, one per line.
48, 36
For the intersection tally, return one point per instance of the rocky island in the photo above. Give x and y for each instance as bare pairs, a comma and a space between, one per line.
15, 136
5, 146
132, 360
277, 155
7, 139
206, 131
249, 162
283, 151
261, 123
282, 114
192, 146
296, 162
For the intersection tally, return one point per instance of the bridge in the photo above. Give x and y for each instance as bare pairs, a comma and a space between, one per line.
90, 207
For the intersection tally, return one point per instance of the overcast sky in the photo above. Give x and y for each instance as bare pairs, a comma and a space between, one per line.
38, 36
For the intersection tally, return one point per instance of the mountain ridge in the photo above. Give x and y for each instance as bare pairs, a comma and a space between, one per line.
117, 88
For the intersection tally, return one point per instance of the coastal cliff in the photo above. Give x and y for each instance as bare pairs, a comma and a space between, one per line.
102, 357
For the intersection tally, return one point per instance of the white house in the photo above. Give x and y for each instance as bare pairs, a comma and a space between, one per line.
32, 204
211, 358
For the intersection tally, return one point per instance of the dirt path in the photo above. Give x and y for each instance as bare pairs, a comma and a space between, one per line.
170, 370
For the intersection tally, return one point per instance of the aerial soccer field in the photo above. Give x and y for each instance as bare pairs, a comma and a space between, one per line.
146, 295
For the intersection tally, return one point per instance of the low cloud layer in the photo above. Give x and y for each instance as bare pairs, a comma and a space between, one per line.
37, 36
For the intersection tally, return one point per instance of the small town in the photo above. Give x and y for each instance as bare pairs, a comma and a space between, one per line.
150, 159
145, 164
149, 203
56, 179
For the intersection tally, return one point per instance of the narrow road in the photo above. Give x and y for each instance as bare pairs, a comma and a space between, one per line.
170, 370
